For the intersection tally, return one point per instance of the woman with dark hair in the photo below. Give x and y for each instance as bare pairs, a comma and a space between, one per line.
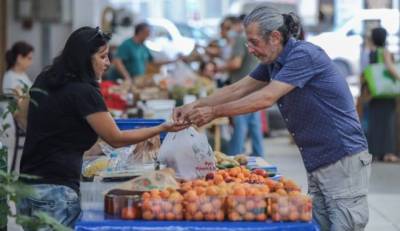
18, 60
65, 118
382, 112
317, 106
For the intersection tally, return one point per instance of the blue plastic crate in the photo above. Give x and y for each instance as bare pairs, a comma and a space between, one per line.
128, 124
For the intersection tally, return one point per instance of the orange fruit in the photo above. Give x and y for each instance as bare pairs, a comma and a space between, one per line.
166, 206
209, 217
191, 208
179, 216
306, 216
294, 216
170, 216
156, 209
178, 208
164, 194
234, 216
175, 197
198, 216
200, 190
154, 192
241, 209
207, 208
217, 203
220, 216
146, 195
188, 216
281, 192
146, 204
212, 191
239, 192
249, 216
160, 216
147, 215
191, 196
261, 217
250, 205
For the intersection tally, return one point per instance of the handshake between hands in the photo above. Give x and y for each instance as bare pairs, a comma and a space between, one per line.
184, 116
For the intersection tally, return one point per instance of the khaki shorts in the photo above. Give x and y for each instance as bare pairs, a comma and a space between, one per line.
339, 193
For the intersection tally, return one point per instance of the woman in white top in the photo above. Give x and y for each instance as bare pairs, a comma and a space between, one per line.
18, 59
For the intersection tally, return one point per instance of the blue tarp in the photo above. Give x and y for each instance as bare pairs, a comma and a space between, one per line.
96, 220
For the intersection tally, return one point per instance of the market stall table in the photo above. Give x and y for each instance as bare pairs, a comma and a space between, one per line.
217, 123
96, 220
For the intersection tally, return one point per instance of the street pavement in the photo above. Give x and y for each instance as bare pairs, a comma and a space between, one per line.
384, 193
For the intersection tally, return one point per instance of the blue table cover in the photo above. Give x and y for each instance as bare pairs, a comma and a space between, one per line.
97, 220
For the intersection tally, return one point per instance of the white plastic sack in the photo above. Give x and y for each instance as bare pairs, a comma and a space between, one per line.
188, 153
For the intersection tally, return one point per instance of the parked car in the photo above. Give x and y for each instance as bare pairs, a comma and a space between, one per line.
201, 38
166, 41
344, 43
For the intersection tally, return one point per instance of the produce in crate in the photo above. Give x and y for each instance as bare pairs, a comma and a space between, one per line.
247, 203
204, 203
162, 205
235, 174
292, 207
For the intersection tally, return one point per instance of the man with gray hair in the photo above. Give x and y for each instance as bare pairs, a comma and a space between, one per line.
318, 108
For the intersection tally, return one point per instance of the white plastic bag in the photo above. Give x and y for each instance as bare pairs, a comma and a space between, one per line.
188, 153
121, 157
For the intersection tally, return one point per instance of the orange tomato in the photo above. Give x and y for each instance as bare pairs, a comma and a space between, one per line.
216, 203
178, 208
166, 206
191, 196
170, 216
234, 216
164, 194
160, 216
198, 216
128, 213
212, 191
207, 208
147, 215
250, 205
209, 217
239, 192
192, 207
249, 216
220, 216
261, 217
154, 192
146, 195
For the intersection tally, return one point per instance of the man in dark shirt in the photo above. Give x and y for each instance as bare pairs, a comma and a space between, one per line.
318, 108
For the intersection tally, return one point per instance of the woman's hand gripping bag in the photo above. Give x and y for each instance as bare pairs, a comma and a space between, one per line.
188, 153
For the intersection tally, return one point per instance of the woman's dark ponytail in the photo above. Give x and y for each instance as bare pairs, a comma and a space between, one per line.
11, 59
19, 48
